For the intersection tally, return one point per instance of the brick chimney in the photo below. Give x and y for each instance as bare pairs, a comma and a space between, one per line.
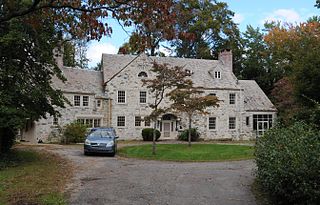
226, 57
58, 55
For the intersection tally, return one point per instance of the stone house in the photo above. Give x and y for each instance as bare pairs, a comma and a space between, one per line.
115, 97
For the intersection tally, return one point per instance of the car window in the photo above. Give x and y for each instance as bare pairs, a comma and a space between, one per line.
102, 133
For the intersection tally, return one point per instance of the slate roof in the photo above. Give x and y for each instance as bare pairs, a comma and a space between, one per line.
80, 81
254, 98
113, 64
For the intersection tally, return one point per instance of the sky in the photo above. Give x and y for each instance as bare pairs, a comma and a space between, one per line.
247, 12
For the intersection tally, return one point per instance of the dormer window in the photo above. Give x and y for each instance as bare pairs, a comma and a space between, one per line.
143, 74
217, 74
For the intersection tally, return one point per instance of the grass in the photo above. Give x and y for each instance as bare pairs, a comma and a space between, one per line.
32, 177
181, 152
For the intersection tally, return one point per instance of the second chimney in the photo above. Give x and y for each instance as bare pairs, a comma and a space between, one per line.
226, 57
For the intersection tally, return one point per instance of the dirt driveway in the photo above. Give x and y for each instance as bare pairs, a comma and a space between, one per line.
106, 180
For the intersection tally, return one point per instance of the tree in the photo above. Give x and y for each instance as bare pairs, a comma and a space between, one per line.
166, 78
34, 28
204, 28
81, 59
296, 50
317, 4
189, 100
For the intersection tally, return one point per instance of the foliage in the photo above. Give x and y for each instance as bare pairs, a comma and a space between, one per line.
165, 79
288, 163
188, 100
7, 136
30, 177
295, 51
184, 135
74, 133
196, 153
147, 134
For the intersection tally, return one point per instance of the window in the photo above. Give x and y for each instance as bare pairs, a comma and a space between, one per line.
232, 123
143, 96
247, 121
96, 122
137, 121
121, 121
55, 121
212, 94
261, 118
212, 123
143, 74
85, 101
98, 103
89, 122
232, 98
147, 123
217, 74
76, 100
121, 96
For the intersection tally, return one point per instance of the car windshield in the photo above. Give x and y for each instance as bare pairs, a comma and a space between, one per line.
101, 133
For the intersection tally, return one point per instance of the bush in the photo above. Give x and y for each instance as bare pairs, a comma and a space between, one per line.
288, 164
195, 135
74, 133
7, 137
147, 134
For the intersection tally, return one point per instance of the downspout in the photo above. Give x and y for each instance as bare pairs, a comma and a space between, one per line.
110, 113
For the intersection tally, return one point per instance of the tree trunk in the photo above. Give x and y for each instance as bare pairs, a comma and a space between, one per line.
189, 133
154, 137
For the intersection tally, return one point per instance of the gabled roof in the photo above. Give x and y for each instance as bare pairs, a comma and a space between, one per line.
80, 81
202, 69
254, 98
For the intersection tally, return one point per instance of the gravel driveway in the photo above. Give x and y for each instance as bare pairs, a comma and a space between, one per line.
107, 180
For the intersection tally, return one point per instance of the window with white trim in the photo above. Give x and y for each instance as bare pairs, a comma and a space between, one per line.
90, 122
217, 74
232, 98
98, 103
143, 97
121, 121
121, 96
76, 100
232, 123
212, 123
85, 101
55, 121
147, 123
137, 121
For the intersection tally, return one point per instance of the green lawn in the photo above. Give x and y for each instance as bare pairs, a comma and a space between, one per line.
181, 152
31, 177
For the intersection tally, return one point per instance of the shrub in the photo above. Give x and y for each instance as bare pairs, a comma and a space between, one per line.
195, 135
7, 137
288, 164
74, 133
147, 134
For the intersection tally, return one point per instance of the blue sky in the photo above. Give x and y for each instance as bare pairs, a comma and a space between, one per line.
253, 12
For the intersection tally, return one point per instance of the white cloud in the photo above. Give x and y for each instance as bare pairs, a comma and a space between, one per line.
238, 18
96, 49
283, 15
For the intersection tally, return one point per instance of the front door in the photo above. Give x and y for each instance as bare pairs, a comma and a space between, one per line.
166, 129
262, 127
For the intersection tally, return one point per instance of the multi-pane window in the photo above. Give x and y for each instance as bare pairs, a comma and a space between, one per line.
121, 121
232, 123
76, 100
85, 101
137, 121
55, 121
98, 102
121, 96
217, 74
89, 122
212, 123
261, 118
147, 123
143, 96
232, 98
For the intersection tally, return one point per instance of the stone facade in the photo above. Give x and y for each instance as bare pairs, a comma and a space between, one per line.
116, 98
